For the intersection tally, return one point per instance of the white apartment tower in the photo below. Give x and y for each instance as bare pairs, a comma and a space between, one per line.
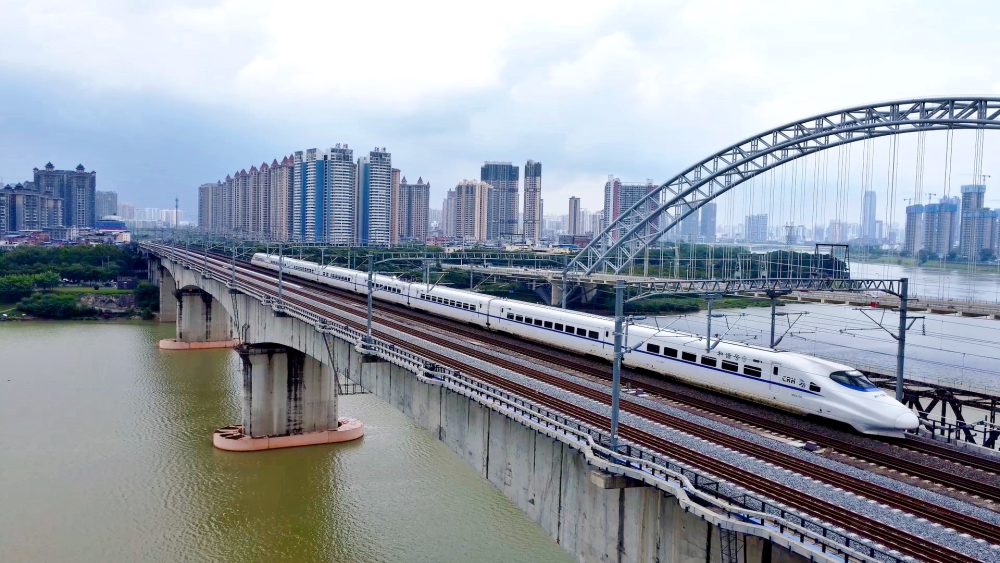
532, 201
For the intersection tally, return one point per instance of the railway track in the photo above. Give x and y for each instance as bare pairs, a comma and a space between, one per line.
971, 487
861, 525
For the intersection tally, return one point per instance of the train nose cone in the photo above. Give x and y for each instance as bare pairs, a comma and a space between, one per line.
907, 421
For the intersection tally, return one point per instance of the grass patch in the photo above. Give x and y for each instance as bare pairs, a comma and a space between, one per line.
101, 291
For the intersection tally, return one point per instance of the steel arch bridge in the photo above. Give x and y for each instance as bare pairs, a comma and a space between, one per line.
665, 206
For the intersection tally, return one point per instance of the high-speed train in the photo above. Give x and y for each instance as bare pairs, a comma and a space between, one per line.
787, 380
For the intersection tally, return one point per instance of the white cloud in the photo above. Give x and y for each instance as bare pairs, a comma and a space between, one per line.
637, 89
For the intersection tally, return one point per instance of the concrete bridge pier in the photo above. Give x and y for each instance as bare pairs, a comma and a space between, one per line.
289, 399
168, 301
200, 318
202, 322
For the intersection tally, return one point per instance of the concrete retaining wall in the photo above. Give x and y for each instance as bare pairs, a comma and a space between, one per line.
551, 482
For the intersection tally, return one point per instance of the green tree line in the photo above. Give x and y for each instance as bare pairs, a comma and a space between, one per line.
74, 263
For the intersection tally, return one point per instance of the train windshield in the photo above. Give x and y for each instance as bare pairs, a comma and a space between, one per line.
852, 378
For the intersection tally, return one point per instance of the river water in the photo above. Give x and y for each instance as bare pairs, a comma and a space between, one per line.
106, 455
952, 282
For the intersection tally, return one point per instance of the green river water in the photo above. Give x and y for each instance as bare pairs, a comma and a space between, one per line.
106, 455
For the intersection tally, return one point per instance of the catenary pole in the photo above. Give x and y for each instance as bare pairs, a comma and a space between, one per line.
901, 340
616, 370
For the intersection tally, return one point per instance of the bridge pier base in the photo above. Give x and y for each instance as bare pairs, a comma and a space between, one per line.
289, 399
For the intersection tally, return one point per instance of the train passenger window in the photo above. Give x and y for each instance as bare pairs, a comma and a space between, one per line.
813, 387
774, 370
670, 352
510, 316
519, 319
730, 366
654, 348
751, 371
538, 322
593, 334
548, 324
689, 357
558, 326
708, 361
581, 332
570, 329
528, 320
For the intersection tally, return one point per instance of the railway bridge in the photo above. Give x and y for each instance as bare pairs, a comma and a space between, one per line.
649, 499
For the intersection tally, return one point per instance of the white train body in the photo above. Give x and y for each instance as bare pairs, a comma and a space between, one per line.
787, 380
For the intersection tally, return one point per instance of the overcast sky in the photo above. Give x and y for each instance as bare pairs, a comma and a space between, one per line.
159, 97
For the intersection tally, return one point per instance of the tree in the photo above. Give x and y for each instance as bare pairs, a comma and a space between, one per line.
147, 296
13, 288
47, 279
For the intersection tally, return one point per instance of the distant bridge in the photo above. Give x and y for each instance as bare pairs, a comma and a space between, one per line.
626, 238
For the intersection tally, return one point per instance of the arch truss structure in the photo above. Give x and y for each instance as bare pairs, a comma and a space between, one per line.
663, 207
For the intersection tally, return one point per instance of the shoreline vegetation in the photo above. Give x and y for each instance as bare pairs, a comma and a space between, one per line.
74, 282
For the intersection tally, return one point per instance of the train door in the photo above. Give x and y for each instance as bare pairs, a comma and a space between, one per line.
777, 384
788, 384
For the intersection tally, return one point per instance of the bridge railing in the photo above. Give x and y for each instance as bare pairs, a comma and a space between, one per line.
726, 505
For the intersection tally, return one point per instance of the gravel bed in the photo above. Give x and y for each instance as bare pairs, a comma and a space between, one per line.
866, 507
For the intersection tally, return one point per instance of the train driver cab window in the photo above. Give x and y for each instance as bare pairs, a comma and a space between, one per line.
558, 326
654, 348
689, 357
813, 387
852, 378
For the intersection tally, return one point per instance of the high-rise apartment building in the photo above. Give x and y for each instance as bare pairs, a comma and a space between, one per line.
956, 226
205, 207
756, 228
868, 234
373, 198
106, 203
913, 240
533, 201
76, 188
707, 227
394, 208
309, 182
973, 220
690, 228
938, 223
573, 226
504, 177
24, 208
414, 200
448, 214
476, 204
340, 194
619, 197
